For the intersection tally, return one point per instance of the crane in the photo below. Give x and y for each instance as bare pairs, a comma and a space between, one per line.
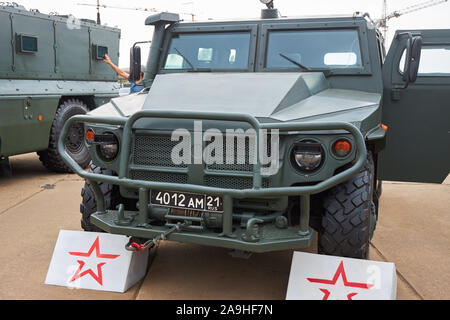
98, 6
382, 23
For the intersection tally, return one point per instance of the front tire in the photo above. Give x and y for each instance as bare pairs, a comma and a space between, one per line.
88, 204
348, 216
74, 143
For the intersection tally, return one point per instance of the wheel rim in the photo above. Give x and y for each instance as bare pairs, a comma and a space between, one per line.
74, 139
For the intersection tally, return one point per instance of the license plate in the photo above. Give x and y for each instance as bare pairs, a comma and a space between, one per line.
188, 201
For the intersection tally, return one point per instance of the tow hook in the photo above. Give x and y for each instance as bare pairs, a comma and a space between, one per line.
137, 247
252, 232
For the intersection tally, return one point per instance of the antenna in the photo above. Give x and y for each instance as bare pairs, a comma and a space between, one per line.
98, 6
384, 18
98, 12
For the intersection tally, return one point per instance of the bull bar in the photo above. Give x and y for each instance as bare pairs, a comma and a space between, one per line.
111, 222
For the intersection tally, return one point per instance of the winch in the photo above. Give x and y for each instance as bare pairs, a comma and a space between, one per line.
134, 246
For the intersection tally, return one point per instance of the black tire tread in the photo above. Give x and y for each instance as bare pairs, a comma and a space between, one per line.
345, 223
50, 157
88, 204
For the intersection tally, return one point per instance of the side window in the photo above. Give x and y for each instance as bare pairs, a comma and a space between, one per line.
434, 61
27, 44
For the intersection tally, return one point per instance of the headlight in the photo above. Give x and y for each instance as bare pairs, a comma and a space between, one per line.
307, 155
109, 151
107, 145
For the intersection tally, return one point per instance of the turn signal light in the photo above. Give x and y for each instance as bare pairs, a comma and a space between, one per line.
90, 136
342, 148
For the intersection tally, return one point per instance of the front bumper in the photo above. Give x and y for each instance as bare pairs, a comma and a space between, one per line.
269, 239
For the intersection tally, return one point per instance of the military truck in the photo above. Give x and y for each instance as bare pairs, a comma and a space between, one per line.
51, 68
347, 116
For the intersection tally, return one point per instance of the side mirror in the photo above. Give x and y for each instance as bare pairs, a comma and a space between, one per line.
135, 64
412, 61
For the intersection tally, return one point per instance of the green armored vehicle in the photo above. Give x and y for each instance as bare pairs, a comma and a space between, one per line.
253, 134
51, 68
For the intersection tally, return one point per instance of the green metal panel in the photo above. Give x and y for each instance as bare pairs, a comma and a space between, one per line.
101, 70
21, 131
63, 52
33, 65
418, 117
65, 60
33, 83
6, 51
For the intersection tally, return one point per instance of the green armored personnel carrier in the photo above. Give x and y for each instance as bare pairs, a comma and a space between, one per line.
51, 68
254, 134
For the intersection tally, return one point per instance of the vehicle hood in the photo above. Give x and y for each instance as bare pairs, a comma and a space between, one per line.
306, 96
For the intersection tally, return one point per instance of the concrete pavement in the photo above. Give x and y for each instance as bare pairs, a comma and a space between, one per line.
414, 233
29, 225
35, 204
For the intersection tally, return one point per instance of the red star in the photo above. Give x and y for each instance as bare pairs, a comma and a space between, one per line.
340, 272
98, 277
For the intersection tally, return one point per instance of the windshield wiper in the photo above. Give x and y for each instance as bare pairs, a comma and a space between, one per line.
200, 70
298, 64
186, 59
326, 72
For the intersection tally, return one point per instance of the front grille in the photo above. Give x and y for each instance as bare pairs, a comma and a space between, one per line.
154, 150
239, 183
159, 176
242, 156
240, 159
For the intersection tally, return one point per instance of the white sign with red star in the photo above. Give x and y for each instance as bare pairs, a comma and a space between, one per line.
321, 277
98, 261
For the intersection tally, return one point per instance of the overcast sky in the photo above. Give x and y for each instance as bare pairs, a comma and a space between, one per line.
133, 29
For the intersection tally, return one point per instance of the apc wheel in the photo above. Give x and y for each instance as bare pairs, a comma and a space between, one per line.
74, 143
88, 204
347, 221
5, 168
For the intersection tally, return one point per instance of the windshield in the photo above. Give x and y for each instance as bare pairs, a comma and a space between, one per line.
315, 49
214, 50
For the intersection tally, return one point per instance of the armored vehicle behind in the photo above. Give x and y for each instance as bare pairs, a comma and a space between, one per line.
51, 68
